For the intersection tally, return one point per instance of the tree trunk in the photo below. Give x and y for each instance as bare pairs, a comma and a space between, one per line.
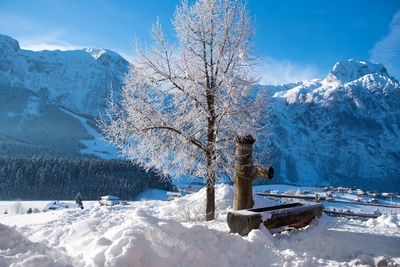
210, 205
211, 175
211, 158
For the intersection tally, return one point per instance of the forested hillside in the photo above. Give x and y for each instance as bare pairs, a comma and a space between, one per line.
60, 179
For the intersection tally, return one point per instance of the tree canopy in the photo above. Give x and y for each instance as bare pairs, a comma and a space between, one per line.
183, 104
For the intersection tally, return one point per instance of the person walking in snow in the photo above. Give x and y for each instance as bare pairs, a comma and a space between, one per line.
78, 200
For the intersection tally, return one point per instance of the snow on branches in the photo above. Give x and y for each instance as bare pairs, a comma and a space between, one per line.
183, 104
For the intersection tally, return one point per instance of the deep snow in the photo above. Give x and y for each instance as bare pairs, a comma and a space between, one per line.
171, 233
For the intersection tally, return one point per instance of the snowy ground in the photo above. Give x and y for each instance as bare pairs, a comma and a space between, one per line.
171, 233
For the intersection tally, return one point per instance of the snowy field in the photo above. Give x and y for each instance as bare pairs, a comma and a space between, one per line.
171, 233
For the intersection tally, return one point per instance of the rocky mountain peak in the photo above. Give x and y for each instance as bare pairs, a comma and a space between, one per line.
351, 69
79, 80
8, 45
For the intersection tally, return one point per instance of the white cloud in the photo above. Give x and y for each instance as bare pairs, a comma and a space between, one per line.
55, 41
32, 36
52, 41
387, 50
273, 71
48, 46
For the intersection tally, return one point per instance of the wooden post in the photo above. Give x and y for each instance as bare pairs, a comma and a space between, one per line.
245, 172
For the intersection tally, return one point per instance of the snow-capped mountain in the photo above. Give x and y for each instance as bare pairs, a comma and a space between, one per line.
79, 80
344, 129
49, 99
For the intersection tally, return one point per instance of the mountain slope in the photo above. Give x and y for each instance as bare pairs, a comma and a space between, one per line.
79, 80
342, 130
47, 98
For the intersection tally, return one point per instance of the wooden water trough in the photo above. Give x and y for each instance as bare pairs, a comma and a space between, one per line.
294, 215
243, 218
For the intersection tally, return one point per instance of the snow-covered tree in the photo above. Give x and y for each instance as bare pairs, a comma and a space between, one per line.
182, 105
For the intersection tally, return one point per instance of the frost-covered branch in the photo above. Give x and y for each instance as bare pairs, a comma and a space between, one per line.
182, 105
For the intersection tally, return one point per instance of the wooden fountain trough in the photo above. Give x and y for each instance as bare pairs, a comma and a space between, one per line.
294, 215
244, 218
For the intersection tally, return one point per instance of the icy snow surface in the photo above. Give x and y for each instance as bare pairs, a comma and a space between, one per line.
170, 233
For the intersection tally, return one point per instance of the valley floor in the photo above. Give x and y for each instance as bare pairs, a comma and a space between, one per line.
172, 233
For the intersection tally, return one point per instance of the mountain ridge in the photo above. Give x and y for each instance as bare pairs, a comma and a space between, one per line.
76, 79
343, 129
36, 89
339, 131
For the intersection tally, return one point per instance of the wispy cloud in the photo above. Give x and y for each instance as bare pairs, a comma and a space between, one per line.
273, 71
52, 41
387, 50
32, 35
49, 46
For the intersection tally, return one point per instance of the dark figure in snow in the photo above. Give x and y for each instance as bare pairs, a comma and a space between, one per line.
29, 211
78, 200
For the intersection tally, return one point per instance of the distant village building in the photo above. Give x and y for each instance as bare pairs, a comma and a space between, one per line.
360, 193
342, 189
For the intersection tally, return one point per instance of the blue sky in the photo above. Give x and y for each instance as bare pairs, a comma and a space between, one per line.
296, 39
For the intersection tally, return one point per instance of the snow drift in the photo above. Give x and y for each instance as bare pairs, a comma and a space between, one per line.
17, 250
165, 233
